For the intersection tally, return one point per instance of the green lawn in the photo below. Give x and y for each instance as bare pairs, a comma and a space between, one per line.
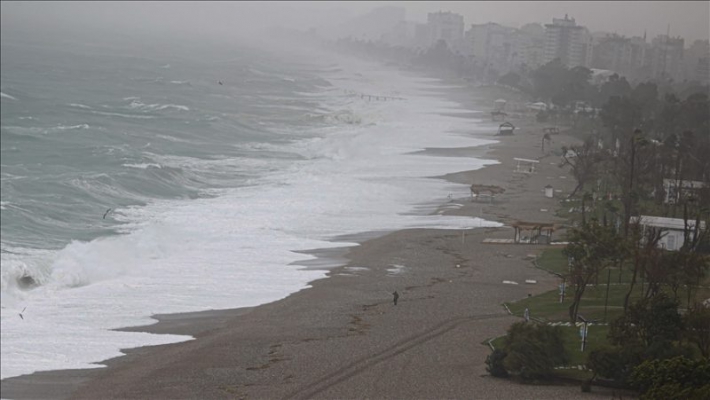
547, 308
573, 342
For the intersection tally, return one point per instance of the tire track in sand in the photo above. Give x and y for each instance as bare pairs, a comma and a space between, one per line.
358, 366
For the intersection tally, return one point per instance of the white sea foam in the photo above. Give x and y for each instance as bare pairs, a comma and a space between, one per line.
137, 104
238, 249
113, 114
7, 96
77, 105
142, 165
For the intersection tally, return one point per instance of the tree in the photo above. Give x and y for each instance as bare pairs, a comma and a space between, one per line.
574, 86
652, 323
546, 79
510, 79
696, 322
620, 115
615, 86
677, 378
583, 161
644, 245
592, 248
533, 350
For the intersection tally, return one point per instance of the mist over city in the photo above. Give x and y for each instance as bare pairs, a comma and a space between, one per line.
361, 199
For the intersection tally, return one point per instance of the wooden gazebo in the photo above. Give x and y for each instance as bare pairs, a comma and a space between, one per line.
490, 191
538, 232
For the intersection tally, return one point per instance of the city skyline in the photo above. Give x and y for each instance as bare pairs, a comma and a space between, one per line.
687, 19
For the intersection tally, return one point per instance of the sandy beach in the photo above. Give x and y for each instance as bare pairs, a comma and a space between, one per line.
343, 338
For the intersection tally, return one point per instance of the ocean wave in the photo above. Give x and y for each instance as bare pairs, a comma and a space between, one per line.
7, 96
186, 83
143, 165
112, 114
136, 104
68, 127
77, 105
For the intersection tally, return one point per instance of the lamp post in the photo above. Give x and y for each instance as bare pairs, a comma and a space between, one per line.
606, 300
584, 331
562, 287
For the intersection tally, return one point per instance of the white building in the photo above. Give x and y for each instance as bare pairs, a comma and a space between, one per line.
569, 42
625, 56
666, 57
674, 189
446, 26
673, 230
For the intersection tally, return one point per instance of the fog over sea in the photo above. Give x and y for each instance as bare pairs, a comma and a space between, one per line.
214, 189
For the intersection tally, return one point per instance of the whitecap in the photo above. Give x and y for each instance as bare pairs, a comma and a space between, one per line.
7, 96
122, 115
143, 165
77, 105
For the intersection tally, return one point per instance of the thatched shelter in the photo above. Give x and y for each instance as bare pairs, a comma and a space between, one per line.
488, 191
538, 232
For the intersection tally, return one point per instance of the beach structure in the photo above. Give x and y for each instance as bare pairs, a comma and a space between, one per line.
500, 104
539, 106
485, 192
498, 115
533, 232
525, 166
549, 191
506, 128
551, 130
673, 229
675, 189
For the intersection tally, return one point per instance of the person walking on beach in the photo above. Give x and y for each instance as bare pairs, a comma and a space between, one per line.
396, 297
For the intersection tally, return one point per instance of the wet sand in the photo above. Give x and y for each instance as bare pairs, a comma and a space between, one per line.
343, 338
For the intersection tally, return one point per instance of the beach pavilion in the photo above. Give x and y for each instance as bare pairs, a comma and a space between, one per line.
487, 191
533, 232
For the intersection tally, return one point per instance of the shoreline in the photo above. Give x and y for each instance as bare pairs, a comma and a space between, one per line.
355, 298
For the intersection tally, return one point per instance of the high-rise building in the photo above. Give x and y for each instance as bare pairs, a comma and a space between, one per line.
666, 59
697, 60
532, 38
625, 56
446, 26
569, 42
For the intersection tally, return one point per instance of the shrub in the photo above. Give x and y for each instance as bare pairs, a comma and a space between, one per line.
494, 364
615, 363
674, 378
534, 350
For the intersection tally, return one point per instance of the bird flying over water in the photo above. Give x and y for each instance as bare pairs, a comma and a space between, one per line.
220, 82
20, 314
106, 213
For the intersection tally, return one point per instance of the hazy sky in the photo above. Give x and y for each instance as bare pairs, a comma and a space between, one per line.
689, 19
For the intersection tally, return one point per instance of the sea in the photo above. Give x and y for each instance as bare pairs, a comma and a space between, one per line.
143, 178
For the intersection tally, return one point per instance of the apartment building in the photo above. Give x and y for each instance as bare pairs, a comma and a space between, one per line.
446, 26
569, 42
